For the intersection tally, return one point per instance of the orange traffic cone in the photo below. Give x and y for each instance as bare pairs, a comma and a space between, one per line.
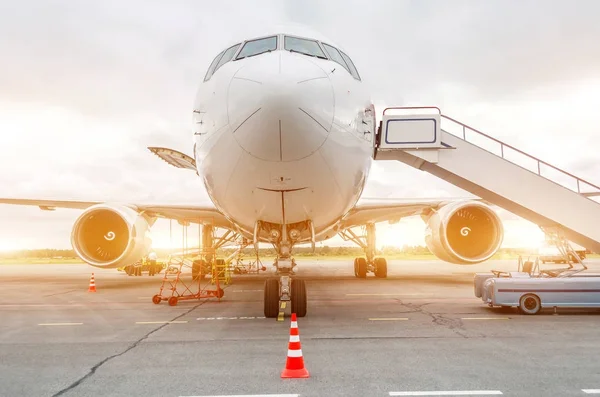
294, 366
92, 284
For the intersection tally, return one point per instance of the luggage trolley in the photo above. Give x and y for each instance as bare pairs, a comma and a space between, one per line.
180, 290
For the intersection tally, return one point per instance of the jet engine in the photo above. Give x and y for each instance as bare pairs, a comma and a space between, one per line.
464, 233
111, 236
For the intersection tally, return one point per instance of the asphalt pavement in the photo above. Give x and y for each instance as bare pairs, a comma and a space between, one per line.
419, 332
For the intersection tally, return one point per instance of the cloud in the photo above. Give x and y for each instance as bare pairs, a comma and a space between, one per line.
86, 86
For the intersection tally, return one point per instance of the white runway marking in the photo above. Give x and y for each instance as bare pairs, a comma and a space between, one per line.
391, 294
229, 318
447, 393
591, 391
161, 322
61, 324
389, 319
37, 305
253, 395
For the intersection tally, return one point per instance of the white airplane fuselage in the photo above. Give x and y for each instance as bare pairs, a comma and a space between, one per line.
283, 138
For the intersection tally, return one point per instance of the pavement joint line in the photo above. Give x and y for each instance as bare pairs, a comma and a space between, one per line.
591, 391
485, 318
388, 318
447, 393
161, 322
61, 324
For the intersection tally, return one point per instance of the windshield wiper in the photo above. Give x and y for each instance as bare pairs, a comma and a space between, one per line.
310, 55
253, 55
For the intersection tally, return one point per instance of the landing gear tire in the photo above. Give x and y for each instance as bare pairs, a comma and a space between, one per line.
298, 297
361, 267
156, 299
380, 267
530, 304
271, 300
355, 267
172, 301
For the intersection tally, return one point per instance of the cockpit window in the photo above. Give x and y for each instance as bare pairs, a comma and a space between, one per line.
211, 68
303, 46
353, 70
259, 46
335, 56
227, 56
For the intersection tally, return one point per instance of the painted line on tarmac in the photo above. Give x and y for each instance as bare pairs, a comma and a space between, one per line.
388, 319
252, 395
161, 322
485, 318
391, 294
591, 391
229, 318
447, 393
61, 324
39, 305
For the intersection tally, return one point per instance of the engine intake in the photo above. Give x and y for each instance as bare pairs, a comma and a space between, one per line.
110, 235
464, 233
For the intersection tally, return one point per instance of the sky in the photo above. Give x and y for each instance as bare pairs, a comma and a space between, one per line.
86, 86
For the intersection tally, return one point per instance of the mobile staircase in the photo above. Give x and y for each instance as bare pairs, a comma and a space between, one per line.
493, 170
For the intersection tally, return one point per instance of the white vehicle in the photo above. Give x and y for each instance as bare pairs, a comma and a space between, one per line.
283, 139
533, 289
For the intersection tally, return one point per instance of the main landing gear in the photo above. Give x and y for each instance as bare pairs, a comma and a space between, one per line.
362, 266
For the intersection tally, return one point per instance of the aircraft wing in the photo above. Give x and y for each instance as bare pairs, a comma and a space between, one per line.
392, 210
183, 213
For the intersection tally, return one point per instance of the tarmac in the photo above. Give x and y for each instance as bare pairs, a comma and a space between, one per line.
421, 331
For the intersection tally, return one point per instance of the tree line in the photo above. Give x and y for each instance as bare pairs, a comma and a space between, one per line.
269, 252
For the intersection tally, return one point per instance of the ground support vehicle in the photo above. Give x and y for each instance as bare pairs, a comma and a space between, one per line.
144, 266
531, 289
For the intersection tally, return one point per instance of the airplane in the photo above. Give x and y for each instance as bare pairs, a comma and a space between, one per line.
284, 135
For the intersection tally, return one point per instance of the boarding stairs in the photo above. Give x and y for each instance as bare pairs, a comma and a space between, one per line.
493, 170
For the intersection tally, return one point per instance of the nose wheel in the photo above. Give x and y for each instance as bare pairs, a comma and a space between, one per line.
280, 293
273, 297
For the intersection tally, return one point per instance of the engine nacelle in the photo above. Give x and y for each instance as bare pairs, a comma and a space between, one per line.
111, 236
464, 233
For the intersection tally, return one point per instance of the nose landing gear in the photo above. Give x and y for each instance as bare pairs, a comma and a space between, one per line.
284, 292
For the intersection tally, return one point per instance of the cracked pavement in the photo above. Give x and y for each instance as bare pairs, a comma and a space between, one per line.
420, 329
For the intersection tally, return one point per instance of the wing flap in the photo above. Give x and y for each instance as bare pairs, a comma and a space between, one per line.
174, 158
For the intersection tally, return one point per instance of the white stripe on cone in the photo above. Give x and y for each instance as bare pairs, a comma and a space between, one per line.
294, 338
294, 324
295, 353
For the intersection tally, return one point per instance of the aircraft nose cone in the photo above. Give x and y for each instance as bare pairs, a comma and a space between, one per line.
280, 106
